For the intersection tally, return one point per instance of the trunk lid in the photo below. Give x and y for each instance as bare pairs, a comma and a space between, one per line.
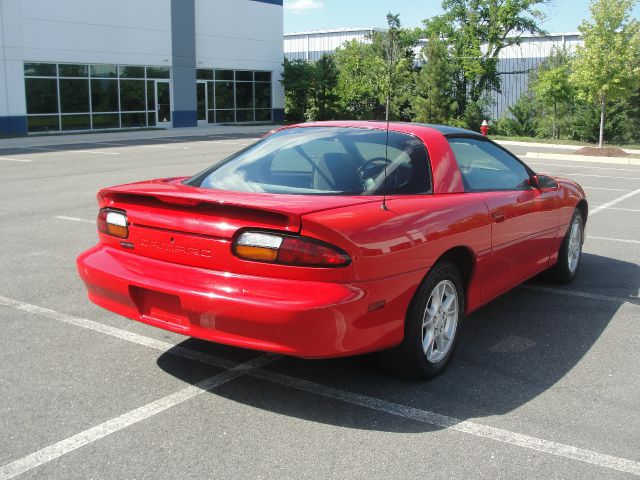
193, 226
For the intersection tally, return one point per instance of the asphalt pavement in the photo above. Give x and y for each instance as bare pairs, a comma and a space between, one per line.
544, 383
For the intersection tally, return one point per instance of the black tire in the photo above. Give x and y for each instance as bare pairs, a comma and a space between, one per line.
409, 358
562, 272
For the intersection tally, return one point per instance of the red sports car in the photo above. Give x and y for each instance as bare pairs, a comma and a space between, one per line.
335, 238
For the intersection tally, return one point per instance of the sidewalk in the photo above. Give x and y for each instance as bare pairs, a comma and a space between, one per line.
554, 145
114, 136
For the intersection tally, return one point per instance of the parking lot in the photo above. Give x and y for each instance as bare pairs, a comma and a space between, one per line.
544, 384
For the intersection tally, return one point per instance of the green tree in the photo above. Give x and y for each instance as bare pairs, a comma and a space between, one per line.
297, 80
522, 121
325, 81
553, 88
607, 67
434, 101
367, 72
476, 31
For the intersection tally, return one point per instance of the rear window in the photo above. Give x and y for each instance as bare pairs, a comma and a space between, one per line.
324, 161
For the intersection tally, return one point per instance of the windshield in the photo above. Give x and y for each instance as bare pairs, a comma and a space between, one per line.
324, 161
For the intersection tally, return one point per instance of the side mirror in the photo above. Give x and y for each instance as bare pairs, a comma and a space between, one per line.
534, 182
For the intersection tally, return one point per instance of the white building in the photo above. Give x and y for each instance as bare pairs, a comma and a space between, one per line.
68, 65
516, 62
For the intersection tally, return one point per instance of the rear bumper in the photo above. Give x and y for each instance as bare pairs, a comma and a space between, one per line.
301, 318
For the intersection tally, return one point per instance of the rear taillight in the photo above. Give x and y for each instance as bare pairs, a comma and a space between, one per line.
288, 250
113, 222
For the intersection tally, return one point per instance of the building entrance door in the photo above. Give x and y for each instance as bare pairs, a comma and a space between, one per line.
163, 104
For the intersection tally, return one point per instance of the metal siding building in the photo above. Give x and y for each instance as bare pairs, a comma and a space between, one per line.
516, 62
68, 65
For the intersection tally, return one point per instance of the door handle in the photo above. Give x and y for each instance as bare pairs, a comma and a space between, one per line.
498, 216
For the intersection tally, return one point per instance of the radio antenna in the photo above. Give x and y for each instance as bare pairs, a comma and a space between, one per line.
394, 24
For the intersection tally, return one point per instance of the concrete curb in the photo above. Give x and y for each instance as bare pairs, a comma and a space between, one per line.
554, 146
584, 158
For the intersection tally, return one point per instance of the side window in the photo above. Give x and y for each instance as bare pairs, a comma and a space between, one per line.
485, 167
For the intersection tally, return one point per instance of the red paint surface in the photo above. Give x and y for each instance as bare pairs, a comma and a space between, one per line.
182, 276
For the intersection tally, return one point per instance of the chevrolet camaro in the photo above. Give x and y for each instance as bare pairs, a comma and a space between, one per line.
329, 239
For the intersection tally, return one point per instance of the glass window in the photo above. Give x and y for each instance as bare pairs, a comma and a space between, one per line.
104, 95
204, 74
263, 115
244, 76
132, 95
244, 115
42, 123
202, 100
262, 76
210, 95
104, 71
73, 70
103, 120
76, 122
151, 96
131, 72
42, 95
40, 69
158, 72
224, 74
485, 166
324, 160
225, 116
244, 95
151, 119
263, 95
74, 96
212, 116
131, 120
224, 95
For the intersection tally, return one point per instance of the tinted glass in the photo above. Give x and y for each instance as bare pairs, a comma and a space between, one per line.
133, 119
75, 122
485, 166
74, 96
244, 115
263, 115
131, 72
73, 70
151, 96
131, 95
224, 95
244, 95
324, 160
40, 69
263, 95
43, 124
104, 71
203, 74
262, 76
42, 95
225, 116
104, 95
157, 72
224, 74
106, 120
242, 75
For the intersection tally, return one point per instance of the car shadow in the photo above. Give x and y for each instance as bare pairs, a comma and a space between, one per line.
510, 352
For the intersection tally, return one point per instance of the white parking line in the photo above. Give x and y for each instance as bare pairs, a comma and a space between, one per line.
609, 189
631, 300
604, 206
625, 209
14, 159
497, 434
595, 176
165, 147
583, 167
623, 240
116, 424
74, 219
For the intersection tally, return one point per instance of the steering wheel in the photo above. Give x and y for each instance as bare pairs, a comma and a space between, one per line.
372, 168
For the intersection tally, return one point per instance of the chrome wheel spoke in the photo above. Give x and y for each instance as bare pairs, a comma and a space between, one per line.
440, 321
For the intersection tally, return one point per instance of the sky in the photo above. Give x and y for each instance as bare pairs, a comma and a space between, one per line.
304, 15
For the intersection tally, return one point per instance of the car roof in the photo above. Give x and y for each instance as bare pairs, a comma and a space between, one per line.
407, 127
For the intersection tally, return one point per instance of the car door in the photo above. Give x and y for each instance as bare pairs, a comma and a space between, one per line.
524, 218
